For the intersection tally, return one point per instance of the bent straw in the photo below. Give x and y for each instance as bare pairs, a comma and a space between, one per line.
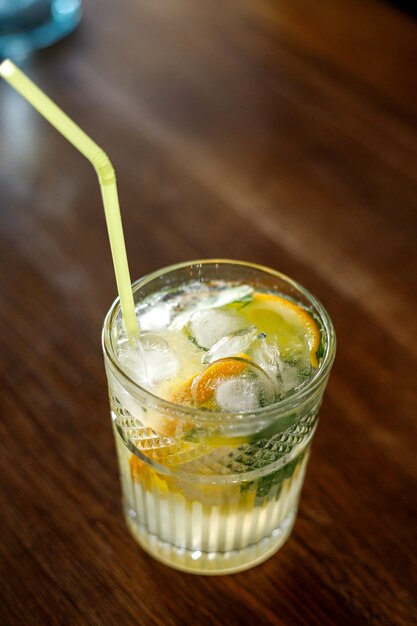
106, 175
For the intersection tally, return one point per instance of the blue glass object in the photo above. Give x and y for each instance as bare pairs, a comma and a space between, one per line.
26, 25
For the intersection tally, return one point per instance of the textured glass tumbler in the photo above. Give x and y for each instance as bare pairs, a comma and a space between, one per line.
27, 25
226, 497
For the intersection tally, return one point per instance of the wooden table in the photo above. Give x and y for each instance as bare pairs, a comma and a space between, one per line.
277, 132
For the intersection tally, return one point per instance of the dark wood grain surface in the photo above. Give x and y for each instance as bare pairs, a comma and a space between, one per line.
283, 133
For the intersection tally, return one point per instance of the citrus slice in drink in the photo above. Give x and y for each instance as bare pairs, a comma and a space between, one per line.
231, 384
205, 385
200, 389
286, 325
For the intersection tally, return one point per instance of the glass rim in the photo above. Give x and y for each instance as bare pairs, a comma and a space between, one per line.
276, 409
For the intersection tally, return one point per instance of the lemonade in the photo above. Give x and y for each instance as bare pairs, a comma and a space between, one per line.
214, 408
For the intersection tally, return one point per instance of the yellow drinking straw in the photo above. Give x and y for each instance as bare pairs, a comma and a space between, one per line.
106, 175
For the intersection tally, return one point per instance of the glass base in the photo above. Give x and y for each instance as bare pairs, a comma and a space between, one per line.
212, 563
20, 36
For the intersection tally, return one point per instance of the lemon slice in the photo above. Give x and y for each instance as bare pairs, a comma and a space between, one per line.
286, 325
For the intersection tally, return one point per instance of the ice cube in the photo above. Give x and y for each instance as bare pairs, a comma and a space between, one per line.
202, 301
150, 361
250, 389
290, 377
286, 376
267, 357
155, 318
231, 345
208, 326
240, 293
237, 394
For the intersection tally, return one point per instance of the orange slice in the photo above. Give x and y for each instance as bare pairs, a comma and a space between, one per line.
286, 324
205, 385
200, 389
141, 472
183, 394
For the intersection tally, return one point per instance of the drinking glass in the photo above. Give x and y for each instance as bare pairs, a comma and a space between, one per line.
26, 25
207, 492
